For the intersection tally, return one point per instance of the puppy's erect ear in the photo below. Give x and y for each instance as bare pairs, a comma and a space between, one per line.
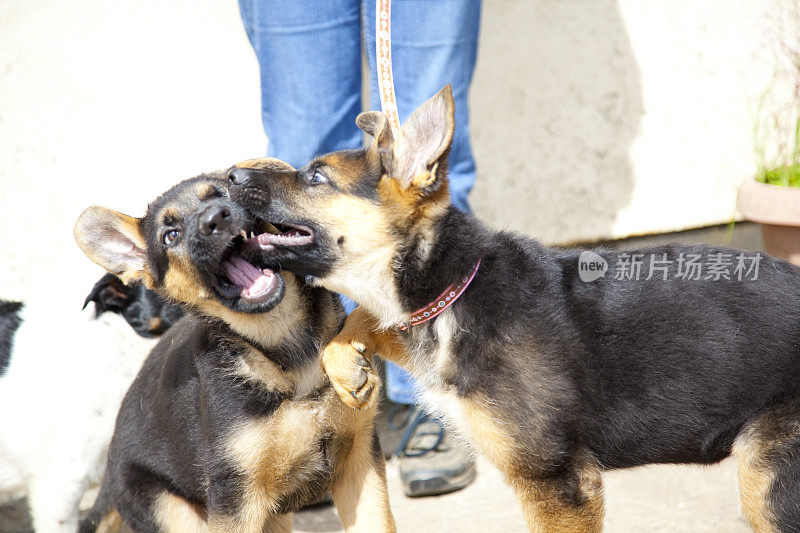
424, 140
376, 124
113, 241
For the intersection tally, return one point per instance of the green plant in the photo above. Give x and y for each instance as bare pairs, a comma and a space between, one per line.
786, 176
777, 123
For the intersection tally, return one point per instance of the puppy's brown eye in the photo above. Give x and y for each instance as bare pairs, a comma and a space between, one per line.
170, 236
318, 178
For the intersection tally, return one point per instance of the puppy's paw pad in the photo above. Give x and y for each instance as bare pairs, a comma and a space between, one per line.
351, 374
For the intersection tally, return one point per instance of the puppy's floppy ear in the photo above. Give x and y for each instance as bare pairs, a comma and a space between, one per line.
424, 141
113, 241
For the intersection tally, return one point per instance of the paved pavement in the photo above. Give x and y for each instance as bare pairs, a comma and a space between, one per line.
653, 499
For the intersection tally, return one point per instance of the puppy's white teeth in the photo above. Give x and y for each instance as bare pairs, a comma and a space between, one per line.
243, 233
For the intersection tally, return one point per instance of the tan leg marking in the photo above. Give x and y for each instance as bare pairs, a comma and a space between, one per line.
254, 366
359, 484
281, 523
111, 523
273, 453
175, 515
545, 510
541, 499
251, 522
755, 480
154, 323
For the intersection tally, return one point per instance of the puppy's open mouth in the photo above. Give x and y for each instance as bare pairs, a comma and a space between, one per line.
285, 235
237, 277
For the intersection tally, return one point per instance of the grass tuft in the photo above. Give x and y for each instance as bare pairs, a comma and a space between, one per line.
787, 176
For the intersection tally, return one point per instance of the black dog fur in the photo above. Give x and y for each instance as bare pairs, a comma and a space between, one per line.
9, 322
147, 313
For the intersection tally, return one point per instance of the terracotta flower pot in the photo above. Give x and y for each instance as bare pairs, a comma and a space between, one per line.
777, 209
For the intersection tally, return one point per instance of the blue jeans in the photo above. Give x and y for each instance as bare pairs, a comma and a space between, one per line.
309, 54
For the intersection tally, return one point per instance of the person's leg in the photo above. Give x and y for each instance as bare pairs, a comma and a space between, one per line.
434, 42
309, 54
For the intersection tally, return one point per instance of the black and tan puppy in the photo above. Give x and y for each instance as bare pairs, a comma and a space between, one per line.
555, 379
231, 424
147, 313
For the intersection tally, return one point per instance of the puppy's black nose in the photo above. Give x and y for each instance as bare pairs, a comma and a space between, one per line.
215, 218
239, 176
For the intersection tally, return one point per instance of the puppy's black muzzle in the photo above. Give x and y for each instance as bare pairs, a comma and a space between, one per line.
239, 176
271, 195
211, 231
215, 218
250, 189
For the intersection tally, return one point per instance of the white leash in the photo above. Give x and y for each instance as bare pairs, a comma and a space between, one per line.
383, 55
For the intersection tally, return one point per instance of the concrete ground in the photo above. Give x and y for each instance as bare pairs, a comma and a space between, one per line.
653, 499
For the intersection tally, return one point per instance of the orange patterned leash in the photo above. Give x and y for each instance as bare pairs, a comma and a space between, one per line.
383, 54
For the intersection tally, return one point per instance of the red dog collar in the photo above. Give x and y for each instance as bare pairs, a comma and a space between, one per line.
445, 300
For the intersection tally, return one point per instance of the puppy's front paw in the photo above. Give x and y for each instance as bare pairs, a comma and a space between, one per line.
351, 373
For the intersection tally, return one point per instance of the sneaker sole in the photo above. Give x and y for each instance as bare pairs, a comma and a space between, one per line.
434, 485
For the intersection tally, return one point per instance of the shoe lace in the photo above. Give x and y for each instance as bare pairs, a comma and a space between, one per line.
412, 418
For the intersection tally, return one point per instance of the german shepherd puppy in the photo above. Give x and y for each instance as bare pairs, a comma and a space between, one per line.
231, 423
555, 379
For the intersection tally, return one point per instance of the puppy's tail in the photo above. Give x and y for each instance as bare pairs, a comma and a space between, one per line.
102, 517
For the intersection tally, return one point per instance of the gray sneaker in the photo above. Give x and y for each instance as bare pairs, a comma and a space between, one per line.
431, 462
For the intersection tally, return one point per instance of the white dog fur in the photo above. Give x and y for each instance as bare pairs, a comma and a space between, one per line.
60, 396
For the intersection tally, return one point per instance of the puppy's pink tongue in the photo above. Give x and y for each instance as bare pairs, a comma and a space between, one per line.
255, 283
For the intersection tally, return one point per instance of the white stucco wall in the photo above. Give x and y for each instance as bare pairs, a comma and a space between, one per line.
600, 119
591, 118
110, 103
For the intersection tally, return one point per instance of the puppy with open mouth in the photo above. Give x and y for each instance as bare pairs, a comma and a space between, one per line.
556, 378
231, 424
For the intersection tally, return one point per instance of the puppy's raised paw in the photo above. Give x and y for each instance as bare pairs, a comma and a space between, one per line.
348, 365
